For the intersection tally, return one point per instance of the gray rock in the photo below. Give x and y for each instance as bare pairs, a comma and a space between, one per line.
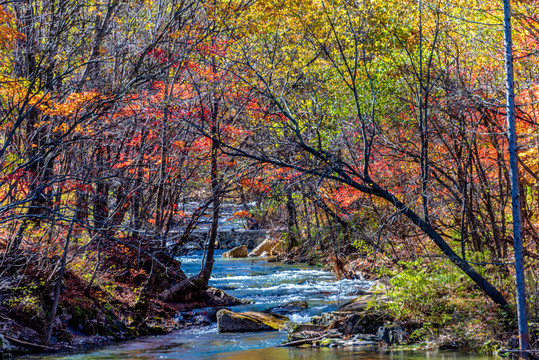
355, 343
367, 337
361, 302
325, 319
289, 308
201, 320
392, 334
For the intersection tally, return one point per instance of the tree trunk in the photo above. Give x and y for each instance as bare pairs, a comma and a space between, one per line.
515, 194
291, 220
427, 228
205, 272
48, 332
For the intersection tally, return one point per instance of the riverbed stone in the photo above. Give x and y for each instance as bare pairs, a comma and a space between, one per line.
228, 321
217, 297
392, 334
293, 327
356, 343
324, 319
289, 308
367, 337
237, 252
264, 247
201, 320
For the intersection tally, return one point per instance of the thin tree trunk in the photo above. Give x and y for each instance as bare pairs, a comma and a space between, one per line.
515, 194
292, 219
47, 335
205, 272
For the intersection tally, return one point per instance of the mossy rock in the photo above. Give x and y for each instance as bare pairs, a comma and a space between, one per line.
228, 321
326, 342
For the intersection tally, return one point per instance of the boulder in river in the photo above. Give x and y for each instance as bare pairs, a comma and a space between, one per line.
228, 321
324, 319
265, 247
237, 252
217, 297
289, 308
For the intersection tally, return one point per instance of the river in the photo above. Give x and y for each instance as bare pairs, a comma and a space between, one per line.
268, 285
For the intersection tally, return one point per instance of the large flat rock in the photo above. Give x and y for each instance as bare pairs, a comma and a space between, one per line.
228, 321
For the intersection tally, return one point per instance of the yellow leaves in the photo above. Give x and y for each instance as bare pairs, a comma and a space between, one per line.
72, 104
15, 93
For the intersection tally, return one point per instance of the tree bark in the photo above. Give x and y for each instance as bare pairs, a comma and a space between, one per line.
291, 220
205, 272
48, 332
514, 173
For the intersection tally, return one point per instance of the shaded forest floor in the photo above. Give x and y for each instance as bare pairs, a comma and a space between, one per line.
120, 302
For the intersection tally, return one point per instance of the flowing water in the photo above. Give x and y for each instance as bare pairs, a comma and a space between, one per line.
268, 285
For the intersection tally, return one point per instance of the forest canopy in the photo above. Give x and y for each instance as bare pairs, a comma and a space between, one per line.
371, 131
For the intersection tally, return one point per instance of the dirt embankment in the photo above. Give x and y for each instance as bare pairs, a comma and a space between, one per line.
120, 302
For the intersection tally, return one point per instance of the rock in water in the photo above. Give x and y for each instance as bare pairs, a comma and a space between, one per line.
237, 252
228, 321
264, 247
289, 308
217, 297
201, 320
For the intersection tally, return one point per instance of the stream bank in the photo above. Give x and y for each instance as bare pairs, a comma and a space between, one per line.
267, 285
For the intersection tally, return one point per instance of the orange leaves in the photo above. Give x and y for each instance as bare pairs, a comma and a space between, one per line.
8, 32
255, 186
285, 174
242, 214
530, 158
201, 145
15, 92
73, 104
